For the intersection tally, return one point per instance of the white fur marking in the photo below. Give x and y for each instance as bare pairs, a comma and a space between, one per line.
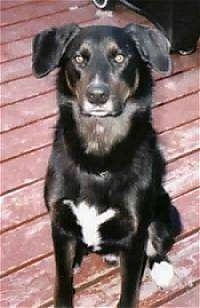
93, 146
96, 79
90, 221
110, 258
76, 269
68, 202
162, 273
99, 129
137, 80
150, 250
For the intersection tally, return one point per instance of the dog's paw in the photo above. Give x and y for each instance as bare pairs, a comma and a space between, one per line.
162, 273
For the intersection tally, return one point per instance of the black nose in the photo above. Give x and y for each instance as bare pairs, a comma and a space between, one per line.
98, 94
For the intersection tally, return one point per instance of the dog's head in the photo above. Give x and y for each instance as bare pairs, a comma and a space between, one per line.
100, 63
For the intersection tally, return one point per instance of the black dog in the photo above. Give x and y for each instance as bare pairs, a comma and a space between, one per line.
104, 183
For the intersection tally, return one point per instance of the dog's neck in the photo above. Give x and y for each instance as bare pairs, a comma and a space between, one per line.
115, 153
100, 135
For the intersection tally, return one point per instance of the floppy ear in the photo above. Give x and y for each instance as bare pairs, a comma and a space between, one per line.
152, 46
49, 47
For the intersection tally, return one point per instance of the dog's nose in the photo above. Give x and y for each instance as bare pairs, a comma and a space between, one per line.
98, 94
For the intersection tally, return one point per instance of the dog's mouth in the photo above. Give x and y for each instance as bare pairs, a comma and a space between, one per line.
100, 113
109, 109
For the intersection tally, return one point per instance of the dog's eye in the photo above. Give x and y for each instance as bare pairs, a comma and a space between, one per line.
119, 58
79, 59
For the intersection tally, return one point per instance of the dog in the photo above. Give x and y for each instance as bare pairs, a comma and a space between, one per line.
104, 188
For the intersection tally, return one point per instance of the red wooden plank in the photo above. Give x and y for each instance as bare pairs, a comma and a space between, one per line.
30, 28
35, 239
40, 273
38, 279
190, 299
20, 48
24, 170
12, 91
25, 112
177, 86
15, 50
22, 289
176, 113
28, 138
181, 140
7, 4
15, 69
34, 10
22, 205
188, 208
183, 174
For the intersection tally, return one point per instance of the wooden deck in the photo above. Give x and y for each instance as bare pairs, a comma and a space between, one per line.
28, 114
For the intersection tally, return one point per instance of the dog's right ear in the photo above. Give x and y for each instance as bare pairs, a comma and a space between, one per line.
49, 47
152, 46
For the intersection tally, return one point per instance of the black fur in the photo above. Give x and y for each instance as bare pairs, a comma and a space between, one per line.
118, 167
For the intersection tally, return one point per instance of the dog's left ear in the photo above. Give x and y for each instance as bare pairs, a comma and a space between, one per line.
152, 46
49, 47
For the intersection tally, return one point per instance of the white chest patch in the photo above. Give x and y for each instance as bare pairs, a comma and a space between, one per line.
90, 220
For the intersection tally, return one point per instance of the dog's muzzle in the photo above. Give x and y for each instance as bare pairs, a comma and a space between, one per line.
98, 101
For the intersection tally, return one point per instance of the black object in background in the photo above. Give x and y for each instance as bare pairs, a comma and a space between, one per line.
178, 19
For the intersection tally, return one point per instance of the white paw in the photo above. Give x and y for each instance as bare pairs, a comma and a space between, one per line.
150, 250
162, 273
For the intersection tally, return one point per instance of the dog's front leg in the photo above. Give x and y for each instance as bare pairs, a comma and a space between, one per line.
64, 256
132, 264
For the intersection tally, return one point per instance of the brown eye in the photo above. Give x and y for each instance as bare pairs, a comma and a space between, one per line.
79, 59
119, 58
